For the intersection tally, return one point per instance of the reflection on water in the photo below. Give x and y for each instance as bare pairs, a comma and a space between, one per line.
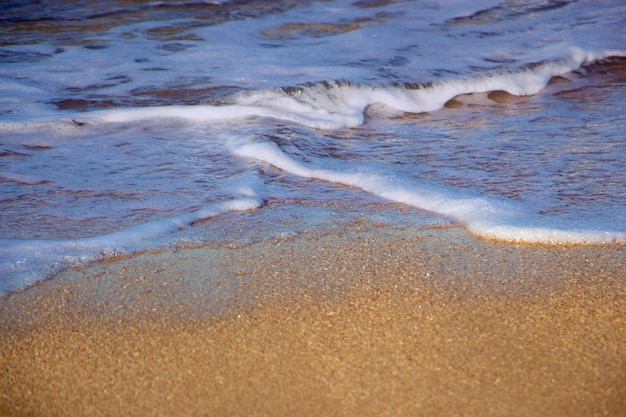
68, 23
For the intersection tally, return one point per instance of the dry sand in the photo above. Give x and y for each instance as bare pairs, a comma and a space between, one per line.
382, 322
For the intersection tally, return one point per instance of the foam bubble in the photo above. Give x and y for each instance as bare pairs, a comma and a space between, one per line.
487, 217
333, 105
25, 262
78, 172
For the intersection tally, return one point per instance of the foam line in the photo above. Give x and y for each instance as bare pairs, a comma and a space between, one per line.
333, 105
486, 217
55, 254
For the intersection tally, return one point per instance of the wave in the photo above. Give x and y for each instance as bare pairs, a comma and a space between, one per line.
323, 105
21, 269
486, 217
338, 104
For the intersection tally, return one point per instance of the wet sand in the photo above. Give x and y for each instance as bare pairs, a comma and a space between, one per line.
376, 321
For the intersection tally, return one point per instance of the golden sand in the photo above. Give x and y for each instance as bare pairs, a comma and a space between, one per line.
379, 323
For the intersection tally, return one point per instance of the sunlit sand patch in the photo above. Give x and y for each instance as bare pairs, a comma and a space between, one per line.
410, 322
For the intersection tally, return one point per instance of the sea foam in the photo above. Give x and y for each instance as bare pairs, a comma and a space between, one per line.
26, 262
337, 104
486, 217
113, 142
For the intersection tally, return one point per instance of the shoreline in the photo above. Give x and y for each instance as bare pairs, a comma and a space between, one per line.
382, 321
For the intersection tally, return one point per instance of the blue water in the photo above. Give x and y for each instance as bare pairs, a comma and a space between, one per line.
126, 127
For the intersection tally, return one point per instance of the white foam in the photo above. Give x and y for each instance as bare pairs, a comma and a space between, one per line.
286, 110
60, 171
25, 262
334, 105
487, 217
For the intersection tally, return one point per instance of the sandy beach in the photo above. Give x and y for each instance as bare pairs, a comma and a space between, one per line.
375, 321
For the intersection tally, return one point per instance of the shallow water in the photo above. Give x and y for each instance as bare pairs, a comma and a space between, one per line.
133, 125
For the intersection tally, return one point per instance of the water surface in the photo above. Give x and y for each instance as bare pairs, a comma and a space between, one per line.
133, 125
